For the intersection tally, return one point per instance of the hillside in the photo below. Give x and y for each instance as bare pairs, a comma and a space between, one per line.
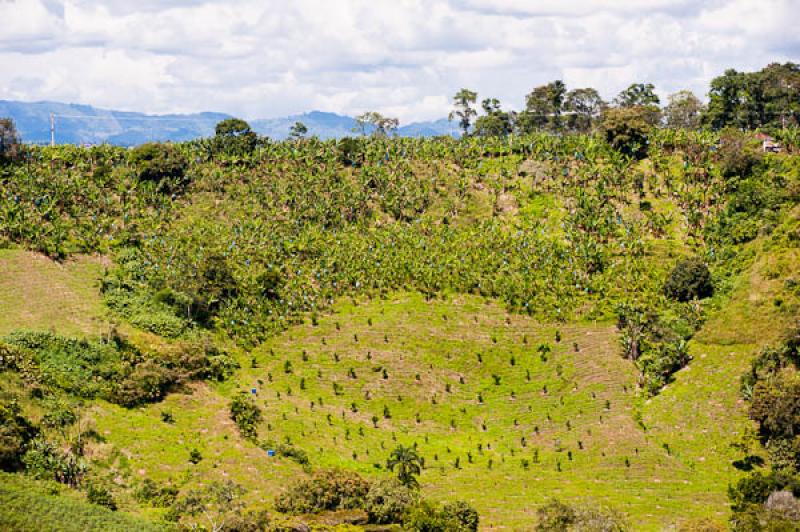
477, 300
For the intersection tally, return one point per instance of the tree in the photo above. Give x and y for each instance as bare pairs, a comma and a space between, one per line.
585, 107
380, 126
463, 111
767, 98
776, 408
683, 110
408, 464
234, 136
10, 144
161, 164
496, 122
637, 94
218, 503
690, 279
626, 130
543, 107
298, 130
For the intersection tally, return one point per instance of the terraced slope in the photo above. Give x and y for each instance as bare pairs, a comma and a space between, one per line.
562, 427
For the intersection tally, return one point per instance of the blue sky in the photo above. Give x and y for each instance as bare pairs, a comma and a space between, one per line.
403, 58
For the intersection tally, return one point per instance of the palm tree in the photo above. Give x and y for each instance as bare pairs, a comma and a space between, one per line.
408, 463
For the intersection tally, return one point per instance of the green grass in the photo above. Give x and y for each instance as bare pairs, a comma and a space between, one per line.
439, 341
37, 293
424, 346
29, 506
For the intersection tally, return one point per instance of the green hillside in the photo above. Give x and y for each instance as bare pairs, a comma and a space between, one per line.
498, 306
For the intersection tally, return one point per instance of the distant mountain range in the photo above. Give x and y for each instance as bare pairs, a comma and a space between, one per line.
84, 124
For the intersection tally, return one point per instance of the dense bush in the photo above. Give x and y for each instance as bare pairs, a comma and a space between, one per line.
452, 517
388, 500
154, 494
46, 461
161, 164
556, 516
114, 369
16, 432
689, 279
246, 414
101, 496
626, 130
328, 489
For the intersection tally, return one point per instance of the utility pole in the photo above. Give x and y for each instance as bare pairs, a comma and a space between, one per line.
52, 129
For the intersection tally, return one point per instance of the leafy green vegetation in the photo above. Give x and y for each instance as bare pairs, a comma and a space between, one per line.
547, 328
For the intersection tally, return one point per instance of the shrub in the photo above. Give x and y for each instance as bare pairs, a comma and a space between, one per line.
388, 500
329, 489
626, 130
43, 460
154, 494
689, 279
461, 513
555, 516
16, 432
452, 517
246, 414
161, 164
101, 496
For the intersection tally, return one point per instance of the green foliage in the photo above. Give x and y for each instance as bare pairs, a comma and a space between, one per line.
45, 461
16, 432
212, 506
452, 517
766, 98
155, 494
328, 489
388, 500
114, 370
28, 506
162, 164
556, 516
234, 138
246, 414
688, 280
408, 464
626, 130
101, 496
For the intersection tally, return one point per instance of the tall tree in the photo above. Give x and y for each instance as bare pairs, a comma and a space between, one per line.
683, 110
495, 122
298, 130
637, 94
376, 123
408, 464
543, 107
768, 98
464, 112
584, 108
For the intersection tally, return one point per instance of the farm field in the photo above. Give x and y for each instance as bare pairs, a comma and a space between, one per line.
419, 334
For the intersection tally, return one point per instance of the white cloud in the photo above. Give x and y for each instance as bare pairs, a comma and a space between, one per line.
402, 57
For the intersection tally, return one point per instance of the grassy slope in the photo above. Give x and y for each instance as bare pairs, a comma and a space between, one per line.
29, 506
440, 341
38, 293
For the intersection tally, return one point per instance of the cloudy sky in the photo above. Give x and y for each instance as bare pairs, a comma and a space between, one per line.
404, 58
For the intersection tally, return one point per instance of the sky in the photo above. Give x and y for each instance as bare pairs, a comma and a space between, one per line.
403, 58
